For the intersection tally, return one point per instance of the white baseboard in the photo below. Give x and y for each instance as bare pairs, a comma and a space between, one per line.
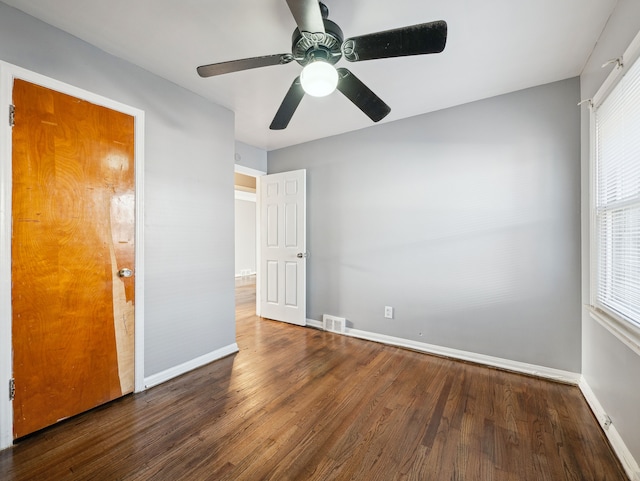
507, 364
626, 458
315, 324
176, 371
246, 274
629, 464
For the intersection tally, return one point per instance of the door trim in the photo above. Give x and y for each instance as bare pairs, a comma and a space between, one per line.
8, 73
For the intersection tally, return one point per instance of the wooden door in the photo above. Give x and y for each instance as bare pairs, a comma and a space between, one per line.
283, 248
73, 228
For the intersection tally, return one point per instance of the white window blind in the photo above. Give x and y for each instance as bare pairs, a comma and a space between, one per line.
617, 199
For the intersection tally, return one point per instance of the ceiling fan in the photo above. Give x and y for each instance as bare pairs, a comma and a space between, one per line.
317, 45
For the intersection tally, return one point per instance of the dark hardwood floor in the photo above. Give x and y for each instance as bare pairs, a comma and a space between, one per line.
301, 404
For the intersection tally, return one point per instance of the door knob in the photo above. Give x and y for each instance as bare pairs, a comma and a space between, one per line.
125, 272
301, 255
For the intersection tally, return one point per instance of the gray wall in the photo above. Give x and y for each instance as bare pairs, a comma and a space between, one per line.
245, 236
189, 143
250, 156
465, 220
610, 368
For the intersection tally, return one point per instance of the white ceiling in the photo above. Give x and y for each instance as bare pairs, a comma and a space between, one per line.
493, 47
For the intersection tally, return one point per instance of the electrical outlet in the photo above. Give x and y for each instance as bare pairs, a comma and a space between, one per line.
388, 312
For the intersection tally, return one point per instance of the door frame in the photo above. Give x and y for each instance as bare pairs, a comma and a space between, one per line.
8, 73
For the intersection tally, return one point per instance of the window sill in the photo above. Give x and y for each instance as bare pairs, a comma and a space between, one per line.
623, 330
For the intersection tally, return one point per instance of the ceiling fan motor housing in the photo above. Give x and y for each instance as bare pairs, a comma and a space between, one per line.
308, 47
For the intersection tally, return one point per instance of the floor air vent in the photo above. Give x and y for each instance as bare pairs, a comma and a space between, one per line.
333, 323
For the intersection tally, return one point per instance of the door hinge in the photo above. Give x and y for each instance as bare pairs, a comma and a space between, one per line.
12, 115
12, 389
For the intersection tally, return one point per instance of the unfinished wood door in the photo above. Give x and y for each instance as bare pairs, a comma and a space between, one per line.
72, 232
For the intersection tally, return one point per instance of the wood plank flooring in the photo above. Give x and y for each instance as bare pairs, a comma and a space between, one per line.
301, 404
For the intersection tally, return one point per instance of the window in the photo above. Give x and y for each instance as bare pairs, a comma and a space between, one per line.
616, 198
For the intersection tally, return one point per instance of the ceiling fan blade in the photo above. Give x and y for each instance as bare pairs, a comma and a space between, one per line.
362, 96
307, 15
288, 106
244, 64
400, 42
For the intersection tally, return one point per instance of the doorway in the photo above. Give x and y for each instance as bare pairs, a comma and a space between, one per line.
280, 245
8, 74
246, 227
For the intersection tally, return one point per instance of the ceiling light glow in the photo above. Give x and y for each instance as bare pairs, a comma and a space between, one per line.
319, 78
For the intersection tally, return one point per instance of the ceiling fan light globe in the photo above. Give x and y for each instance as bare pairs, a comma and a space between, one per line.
319, 78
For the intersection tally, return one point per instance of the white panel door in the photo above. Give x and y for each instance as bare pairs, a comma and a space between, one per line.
283, 247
